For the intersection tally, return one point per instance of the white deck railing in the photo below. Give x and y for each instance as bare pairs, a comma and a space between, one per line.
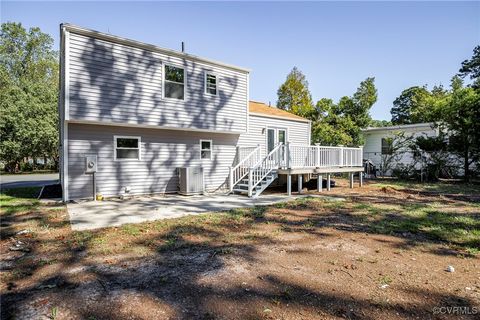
243, 152
304, 156
258, 172
253, 164
246, 161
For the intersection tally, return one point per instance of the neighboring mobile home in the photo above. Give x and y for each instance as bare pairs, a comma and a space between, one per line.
142, 111
378, 142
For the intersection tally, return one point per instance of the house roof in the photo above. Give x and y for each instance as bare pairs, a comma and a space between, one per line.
429, 125
260, 108
145, 46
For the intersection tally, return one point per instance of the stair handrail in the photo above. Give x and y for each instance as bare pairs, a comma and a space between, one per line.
239, 171
259, 171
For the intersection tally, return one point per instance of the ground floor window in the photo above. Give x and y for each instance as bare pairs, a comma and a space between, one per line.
127, 148
387, 146
206, 149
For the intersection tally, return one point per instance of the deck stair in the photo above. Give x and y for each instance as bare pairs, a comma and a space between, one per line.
254, 179
243, 186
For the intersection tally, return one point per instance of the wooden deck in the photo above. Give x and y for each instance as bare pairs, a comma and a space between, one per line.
308, 170
255, 172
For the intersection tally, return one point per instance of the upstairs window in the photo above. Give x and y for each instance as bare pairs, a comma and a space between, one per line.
386, 146
211, 82
206, 149
127, 148
174, 82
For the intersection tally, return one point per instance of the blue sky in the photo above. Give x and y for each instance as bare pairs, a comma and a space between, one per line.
336, 44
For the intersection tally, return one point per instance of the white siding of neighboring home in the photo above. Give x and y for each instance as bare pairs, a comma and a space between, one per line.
372, 149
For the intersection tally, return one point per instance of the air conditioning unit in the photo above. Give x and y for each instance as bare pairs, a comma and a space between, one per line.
191, 180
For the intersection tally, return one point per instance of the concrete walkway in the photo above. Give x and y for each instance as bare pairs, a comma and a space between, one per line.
91, 215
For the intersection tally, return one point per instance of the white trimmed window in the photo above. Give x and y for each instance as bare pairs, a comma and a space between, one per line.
387, 146
211, 83
174, 82
127, 148
206, 149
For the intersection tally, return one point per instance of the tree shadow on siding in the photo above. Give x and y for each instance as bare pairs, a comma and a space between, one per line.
119, 84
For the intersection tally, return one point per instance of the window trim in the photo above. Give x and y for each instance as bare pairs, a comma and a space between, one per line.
127, 137
390, 147
184, 81
217, 78
211, 148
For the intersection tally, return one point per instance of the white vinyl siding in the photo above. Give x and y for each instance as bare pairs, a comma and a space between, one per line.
162, 152
297, 132
118, 84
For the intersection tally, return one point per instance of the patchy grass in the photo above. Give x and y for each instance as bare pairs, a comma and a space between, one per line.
17, 200
435, 187
423, 221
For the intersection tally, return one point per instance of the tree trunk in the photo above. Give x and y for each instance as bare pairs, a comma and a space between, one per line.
466, 165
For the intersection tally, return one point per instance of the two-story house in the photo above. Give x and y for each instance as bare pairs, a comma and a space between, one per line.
144, 111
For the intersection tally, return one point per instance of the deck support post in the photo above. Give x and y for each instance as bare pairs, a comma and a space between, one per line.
289, 184
300, 178
328, 181
230, 178
350, 176
360, 179
287, 154
250, 185
319, 183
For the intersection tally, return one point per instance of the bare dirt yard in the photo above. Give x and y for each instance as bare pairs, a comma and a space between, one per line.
378, 252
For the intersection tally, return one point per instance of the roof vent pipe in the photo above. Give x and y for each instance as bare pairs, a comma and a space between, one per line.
269, 104
183, 47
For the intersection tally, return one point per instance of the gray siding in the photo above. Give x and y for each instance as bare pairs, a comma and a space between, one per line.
112, 82
162, 152
297, 132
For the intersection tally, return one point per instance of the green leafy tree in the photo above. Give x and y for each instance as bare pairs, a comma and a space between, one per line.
434, 157
326, 122
363, 100
461, 119
418, 105
341, 123
28, 95
471, 68
409, 106
380, 123
294, 95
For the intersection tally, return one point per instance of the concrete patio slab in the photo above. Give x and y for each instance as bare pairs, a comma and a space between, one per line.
114, 212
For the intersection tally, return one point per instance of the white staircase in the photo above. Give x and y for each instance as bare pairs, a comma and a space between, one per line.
253, 177
242, 186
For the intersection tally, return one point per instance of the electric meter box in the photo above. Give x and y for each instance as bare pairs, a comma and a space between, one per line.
90, 163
